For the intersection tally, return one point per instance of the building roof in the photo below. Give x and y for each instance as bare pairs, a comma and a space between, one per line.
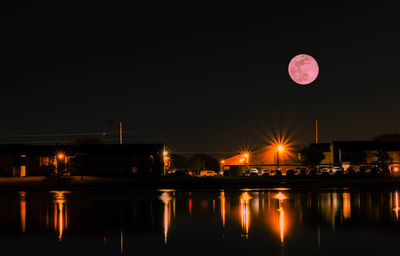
324, 147
366, 145
358, 145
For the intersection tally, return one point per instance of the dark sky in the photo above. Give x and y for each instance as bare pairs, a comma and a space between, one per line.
197, 75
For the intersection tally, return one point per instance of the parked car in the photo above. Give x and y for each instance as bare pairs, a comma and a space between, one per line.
326, 171
277, 172
297, 171
313, 171
290, 172
351, 171
179, 172
253, 172
337, 170
207, 173
303, 172
265, 172
364, 170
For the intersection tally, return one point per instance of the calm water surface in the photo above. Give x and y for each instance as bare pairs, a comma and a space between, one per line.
211, 222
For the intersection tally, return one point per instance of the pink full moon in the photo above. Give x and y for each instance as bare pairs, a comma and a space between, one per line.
303, 69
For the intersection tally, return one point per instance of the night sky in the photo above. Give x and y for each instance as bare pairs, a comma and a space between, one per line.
197, 75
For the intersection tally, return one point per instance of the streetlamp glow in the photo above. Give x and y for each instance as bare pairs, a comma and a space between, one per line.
280, 148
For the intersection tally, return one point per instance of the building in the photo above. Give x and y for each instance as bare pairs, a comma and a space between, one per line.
345, 153
337, 153
268, 157
96, 160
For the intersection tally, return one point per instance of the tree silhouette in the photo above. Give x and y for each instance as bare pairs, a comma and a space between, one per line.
199, 161
179, 162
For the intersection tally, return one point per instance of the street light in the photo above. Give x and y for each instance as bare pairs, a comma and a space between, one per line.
60, 156
246, 158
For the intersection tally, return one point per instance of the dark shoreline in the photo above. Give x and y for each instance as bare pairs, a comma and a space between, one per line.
187, 183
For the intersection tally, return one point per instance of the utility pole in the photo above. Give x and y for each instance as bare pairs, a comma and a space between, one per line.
120, 133
277, 159
316, 131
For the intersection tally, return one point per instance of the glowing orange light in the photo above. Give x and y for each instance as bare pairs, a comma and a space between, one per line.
60, 213
245, 214
241, 160
22, 205
222, 197
346, 206
280, 148
165, 197
246, 155
60, 156
222, 162
280, 196
165, 153
396, 169
281, 223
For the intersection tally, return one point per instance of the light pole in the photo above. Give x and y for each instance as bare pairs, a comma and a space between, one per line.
278, 150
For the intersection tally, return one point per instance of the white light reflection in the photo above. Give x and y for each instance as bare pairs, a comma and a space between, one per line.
245, 214
60, 216
165, 198
396, 209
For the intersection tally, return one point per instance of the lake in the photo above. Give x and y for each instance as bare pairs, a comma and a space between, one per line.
200, 222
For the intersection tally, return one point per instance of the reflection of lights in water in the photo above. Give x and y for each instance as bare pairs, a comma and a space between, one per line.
346, 206
222, 197
60, 216
245, 214
22, 210
328, 204
190, 203
319, 237
281, 224
165, 197
280, 196
122, 241
396, 209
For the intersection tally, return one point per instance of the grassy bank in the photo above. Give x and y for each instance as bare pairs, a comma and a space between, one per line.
99, 183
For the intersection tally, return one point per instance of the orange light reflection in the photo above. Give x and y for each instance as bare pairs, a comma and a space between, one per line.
346, 206
165, 197
222, 197
396, 209
280, 196
22, 210
60, 216
245, 214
